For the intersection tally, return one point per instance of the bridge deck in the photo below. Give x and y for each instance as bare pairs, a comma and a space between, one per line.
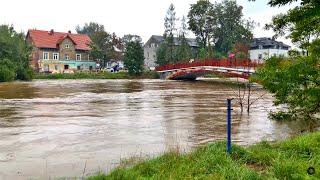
187, 70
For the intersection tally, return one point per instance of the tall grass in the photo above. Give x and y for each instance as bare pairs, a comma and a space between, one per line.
291, 159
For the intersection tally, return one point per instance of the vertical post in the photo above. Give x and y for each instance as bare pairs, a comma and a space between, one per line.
229, 126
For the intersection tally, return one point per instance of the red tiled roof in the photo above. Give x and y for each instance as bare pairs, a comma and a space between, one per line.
43, 39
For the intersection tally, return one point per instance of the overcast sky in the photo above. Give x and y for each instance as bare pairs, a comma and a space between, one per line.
141, 17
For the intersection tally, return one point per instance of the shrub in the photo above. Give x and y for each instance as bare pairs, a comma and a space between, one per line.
6, 74
25, 74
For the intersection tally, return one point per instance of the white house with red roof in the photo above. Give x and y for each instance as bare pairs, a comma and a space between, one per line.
57, 52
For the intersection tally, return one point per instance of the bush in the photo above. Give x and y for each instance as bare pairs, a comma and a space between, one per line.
6, 74
25, 74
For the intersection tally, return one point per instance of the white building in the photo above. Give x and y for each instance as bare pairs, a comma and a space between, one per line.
264, 48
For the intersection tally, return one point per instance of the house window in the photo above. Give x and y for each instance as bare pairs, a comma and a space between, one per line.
56, 67
78, 58
66, 57
45, 55
260, 56
148, 54
260, 47
66, 66
78, 67
55, 56
66, 46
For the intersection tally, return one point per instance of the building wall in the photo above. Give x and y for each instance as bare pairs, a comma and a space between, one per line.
150, 56
267, 53
71, 51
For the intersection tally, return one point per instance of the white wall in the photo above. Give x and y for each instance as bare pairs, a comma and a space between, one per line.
267, 53
150, 57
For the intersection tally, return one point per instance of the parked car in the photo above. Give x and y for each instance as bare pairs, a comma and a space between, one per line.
109, 69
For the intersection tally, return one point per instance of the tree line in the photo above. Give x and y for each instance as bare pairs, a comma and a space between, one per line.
107, 46
220, 29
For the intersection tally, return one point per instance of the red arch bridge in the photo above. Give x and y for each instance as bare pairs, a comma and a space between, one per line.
192, 70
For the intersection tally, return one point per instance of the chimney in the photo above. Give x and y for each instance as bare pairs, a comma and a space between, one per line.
69, 32
51, 32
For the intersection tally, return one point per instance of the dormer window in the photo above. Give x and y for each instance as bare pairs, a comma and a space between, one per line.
66, 57
67, 46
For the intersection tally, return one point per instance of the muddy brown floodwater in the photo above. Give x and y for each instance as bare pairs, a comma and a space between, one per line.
67, 128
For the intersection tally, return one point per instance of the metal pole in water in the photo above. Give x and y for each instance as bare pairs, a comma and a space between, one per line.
229, 126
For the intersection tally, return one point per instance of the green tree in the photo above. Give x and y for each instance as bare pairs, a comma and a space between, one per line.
134, 58
129, 38
169, 33
183, 51
201, 20
105, 46
14, 55
219, 25
295, 82
100, 40
161, 54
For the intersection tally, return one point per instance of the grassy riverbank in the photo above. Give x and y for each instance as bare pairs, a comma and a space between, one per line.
290, 159
100, 75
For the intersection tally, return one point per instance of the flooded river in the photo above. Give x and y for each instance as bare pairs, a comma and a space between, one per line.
67, 128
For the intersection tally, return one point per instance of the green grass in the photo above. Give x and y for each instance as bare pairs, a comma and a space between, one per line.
289, 159
100, 75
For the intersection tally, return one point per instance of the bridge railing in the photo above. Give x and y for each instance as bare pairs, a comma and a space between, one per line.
244, 63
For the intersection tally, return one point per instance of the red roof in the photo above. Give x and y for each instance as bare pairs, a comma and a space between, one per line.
45, 39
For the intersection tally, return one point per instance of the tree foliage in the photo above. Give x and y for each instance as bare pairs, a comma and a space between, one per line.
14, 55
162, 54
169, 33
175, 47
134, 58
219, 25
201, 20
295, 82
104, 45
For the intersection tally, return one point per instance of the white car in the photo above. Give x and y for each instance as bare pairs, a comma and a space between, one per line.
109, 69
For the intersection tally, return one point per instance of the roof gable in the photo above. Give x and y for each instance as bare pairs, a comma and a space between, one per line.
47, 39
66, 37
267, 42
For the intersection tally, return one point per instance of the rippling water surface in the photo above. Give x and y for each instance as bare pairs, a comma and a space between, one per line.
58, 128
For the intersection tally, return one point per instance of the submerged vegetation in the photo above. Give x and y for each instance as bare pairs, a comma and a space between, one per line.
100, 75
297, 158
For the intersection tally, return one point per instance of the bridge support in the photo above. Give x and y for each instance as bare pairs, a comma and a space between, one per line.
164, 75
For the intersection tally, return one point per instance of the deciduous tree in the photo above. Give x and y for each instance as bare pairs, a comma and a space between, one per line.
14, 55
134, 58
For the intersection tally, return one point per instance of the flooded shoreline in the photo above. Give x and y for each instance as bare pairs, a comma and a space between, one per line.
52, 128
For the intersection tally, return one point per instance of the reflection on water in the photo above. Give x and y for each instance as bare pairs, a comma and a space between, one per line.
52, 128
